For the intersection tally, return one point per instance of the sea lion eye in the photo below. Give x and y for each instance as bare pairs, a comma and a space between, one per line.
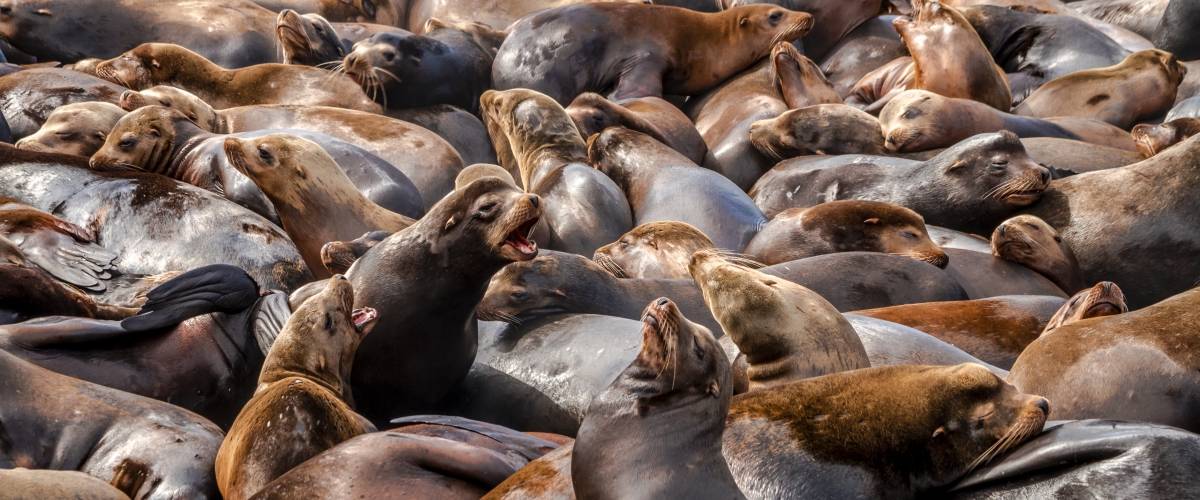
1058, 239
909, 235
775, 17
127, 143
910, 113
519, 295
264, 155
65, 135
487, 208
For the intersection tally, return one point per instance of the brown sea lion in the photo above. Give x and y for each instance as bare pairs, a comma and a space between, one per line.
844, 226
28, 97
892, 431
1064, 155
1153, 139
982, 275
1103, 299
1140, 365
875, 89
871, 45
312, 40
316, 201
678, 51
653, 116
916, 120
1031, 242
832, 20
74, 129
479, 171
461, 129
21, 483
153, 64
548, 478
824, 129
655, 250
303, 390
1140, 88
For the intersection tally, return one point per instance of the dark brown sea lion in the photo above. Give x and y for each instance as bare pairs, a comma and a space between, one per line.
1152, 139
153, 64
666, 409
893, 431
678, 51
28, 97
1029, 241
311, 40
1176, 30
1140, 365
995, 329
653, 175
653, 116
971, 187
1108, 94
20, 483
74, 129
1103, 299
398, 70
824, 129
29, 292
656, 250
536, 139
488, 38
844, 226
303, 390
916, 120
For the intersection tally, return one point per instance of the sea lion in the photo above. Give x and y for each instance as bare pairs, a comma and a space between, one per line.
655, 250
1139, 365
316, 201
916, 120
824, 129
667, 408
66, 251
844, 226
425, 158
488, 38
479, 171
27, 483
832, 20
995, 329
536, 139
1175, 31
894, 344
442, 263
303, 389
982, 275
311, 40
1187, 107
30, 292
487, 12
28, 97
971, 187
787, 332
74, 129
1153, 139
143, 447
387, 12
871, 45
151, 64
926, 427
678, 52
1139, 16
653, 116
652, 175
446, 66
1151, 75
1064, 156
548, 477
338, 256
1103, 299
1031, 242
461, 129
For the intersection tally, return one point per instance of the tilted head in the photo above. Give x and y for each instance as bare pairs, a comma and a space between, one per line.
592, 113
487, 222
143, 139
307, 39
1152, 139
75, 129
1103, 299
287, 168
994, 169
762, 26
1031, 242
655, 250
801, 82
539, 287
818, 130
523, 124
145, 65
193, 107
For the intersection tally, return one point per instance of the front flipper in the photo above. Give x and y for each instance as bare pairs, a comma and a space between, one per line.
215, 288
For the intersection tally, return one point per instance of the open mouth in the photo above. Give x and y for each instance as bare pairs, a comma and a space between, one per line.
363, 317
519, 240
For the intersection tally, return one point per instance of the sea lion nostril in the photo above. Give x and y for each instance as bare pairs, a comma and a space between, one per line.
1043, 405
662, 301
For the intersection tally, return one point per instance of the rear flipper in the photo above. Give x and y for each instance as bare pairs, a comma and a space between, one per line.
82, 264
215, 288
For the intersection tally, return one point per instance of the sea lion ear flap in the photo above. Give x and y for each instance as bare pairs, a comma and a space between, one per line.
714, 389
450, 223
743, 21
872, 221
154, 63
939, 432
955, 167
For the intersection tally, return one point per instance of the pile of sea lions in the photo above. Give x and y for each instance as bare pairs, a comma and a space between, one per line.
553, 249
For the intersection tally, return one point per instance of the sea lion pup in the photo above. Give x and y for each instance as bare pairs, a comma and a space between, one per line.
1152, 139
303, 390
787, 332
74, 129
151, 64
844, 226
314, 198
1140, 88
652, 115
534, 137
666, 413
916, 120
64, 250
338, 256
824, 129
894, 431
1031, 242
1103, 299
655, 250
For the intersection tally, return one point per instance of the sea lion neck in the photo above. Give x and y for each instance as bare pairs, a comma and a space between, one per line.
192, 70
187, 137
544, 160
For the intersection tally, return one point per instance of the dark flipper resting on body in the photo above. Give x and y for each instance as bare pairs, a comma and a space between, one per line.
214, 288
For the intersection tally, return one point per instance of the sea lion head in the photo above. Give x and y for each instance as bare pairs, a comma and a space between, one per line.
524, 125
993, 169
1172, 69
817, 130
75, 129
849, 226
592, 113
679, 359
1103, 299
142, 140
653, 250
917, 120
800, 80
1152, 139
142, 66
539, 287
487, 221
282, 164
1031, 242
192, 106
762, 26
307, 39
388, 60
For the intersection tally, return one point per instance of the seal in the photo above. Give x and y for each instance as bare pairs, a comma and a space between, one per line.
1152, 139
1103, 299
27, 97
638, 50
316, 202
30, 292
901, 430
785, 331
311, 40
74, 129
1064, 156
1142, 359
824, 129
653, 116
535, 138
151, 64
303, 385
1031, 242
656, 250
443, 262
652, 175
844, 226
916, 120
446, 66
970, 187
678, 382
995, 329
1106, 93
